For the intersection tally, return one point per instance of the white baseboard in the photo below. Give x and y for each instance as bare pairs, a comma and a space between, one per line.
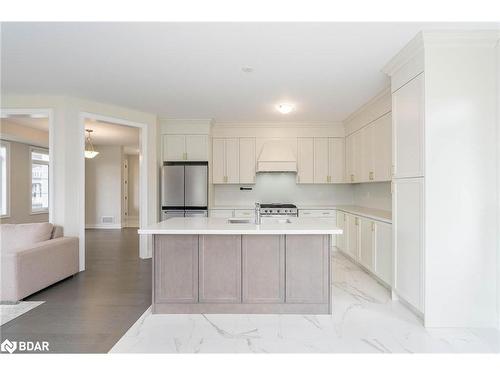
103, 226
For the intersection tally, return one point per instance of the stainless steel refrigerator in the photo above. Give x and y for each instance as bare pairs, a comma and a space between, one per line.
184, 189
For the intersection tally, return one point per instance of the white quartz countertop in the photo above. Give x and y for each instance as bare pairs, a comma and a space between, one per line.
371, 213
212, 225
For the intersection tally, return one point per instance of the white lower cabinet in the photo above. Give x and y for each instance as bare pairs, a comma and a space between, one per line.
322, 214
366, 245
383, 252
341, 224
368, 242
352, 248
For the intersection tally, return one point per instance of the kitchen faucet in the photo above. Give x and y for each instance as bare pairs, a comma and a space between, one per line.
257, 213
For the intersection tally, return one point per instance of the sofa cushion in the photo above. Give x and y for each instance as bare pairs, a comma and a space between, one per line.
17, 236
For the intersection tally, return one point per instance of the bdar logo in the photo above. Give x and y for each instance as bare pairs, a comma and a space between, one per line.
8, 346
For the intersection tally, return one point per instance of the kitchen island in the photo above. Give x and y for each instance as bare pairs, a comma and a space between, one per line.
214, 265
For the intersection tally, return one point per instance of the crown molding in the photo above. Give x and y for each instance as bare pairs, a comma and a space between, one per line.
369, 103
413, 48
417, 45
257, 124
185, 121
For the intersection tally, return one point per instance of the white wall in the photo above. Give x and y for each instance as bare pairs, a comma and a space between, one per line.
461, 231
282, 188
373, 195
133, 190
103, 179
68, 140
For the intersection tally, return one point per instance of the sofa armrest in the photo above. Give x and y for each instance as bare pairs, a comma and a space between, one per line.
37, 266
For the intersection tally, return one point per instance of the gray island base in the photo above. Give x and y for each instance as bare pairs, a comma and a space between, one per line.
241, 273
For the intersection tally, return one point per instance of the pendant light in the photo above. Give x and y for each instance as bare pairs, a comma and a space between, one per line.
90, 153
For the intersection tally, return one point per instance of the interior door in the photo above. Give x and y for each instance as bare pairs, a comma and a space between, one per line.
196, 186
172, 186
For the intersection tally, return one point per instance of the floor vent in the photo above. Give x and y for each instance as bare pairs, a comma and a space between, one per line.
107, 219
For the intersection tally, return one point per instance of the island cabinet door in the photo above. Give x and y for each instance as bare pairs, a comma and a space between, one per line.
176, 269
306, 268
263, 269
220, 269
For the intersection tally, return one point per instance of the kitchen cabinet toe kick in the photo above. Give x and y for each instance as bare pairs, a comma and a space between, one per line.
241, 274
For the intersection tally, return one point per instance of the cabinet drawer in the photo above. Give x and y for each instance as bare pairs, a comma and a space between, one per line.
244, 213
318, 213
221, 213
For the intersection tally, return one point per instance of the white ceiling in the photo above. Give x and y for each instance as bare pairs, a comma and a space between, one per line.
41, 124
104, 133
108, 134
193, 70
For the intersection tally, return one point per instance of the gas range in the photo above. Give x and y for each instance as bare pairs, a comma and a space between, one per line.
278, 209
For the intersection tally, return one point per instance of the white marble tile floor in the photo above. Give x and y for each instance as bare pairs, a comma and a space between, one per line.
364, 320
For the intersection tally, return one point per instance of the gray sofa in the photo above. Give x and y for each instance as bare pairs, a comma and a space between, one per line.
34, 256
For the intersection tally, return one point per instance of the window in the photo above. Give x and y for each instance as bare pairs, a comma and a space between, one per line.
39, 180
5, 176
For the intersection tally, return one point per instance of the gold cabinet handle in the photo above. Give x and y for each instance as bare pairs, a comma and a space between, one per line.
370, 175
373, 226
352, 178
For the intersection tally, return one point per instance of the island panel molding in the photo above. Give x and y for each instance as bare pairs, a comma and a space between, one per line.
257, 273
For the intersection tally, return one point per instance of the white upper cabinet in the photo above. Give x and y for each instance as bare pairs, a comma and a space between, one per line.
408, 129
305, 160
232, 160
336, 155
382, 152
196, 147
321, 161
367, 156
329, 160
218, 161
355, 157
174, 147
247, 160
180, 147
225, 161
369, 152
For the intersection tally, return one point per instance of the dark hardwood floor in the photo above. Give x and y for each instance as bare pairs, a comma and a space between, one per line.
88, 313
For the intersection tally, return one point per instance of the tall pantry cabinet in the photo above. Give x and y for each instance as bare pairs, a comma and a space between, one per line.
408, 186
445, 186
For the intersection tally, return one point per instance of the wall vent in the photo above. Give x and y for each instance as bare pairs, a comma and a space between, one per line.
107, 219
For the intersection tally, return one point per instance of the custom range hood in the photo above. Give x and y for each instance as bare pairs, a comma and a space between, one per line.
276, 156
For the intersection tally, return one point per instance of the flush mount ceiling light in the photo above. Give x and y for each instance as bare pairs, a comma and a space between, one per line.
285, 108
247, 69
90, 153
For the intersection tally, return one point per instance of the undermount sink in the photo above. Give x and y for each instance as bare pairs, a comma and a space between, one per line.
235, 220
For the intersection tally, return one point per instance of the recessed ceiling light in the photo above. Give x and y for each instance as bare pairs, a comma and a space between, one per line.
285, 108
247, 69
